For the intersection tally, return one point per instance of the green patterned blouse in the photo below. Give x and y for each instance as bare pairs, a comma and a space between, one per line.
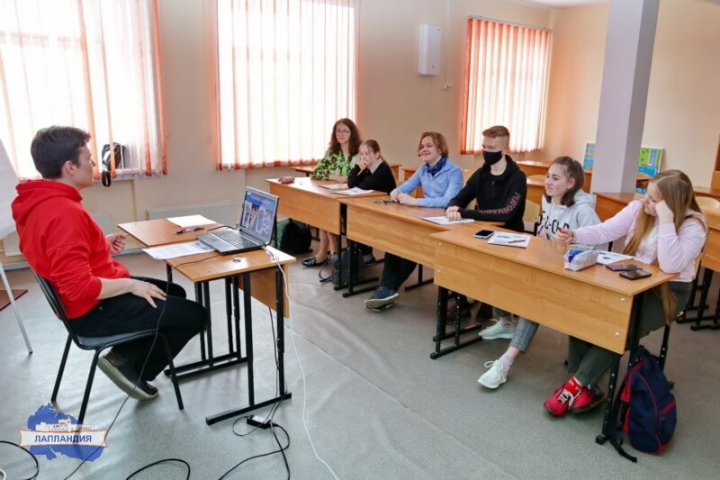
333, 164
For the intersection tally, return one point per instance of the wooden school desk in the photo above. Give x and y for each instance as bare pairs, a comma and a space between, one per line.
595, 304
242, 270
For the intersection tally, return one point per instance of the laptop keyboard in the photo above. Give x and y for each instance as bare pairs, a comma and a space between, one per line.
235, 239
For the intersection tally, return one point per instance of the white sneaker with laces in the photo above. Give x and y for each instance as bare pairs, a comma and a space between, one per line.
494, 377
497, 331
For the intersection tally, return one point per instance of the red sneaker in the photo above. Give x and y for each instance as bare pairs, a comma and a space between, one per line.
560, 401
588, 399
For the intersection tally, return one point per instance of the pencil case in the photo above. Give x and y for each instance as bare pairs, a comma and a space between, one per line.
580, 257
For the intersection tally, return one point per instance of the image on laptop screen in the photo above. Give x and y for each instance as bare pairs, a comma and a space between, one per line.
258, 214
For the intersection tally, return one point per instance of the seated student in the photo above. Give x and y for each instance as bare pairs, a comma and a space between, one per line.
336, 164
664, 228
63, 244
564, 205
440, 180
500, 189
371, 172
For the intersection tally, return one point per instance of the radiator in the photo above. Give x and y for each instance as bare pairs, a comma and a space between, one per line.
12, 242
221, 212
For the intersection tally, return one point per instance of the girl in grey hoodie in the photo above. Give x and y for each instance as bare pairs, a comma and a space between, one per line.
564, 205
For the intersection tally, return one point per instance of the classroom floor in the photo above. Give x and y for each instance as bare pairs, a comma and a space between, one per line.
365, 389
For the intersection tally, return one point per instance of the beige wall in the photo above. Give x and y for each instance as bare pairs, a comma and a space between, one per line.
395, 104
683, 108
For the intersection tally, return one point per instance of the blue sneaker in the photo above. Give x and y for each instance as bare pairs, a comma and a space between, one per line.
382, 297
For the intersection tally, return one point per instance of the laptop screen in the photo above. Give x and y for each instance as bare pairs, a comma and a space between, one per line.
258, 214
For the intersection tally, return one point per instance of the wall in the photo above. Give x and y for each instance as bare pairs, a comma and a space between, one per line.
683, 108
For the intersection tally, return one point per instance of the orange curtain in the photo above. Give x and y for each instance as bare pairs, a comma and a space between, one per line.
286, 73
506, 70
91, 64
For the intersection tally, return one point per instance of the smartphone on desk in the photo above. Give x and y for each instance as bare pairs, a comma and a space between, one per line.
623, 267
635, 274
484, 234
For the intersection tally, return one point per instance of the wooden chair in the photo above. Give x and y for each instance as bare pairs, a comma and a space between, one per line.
98, 344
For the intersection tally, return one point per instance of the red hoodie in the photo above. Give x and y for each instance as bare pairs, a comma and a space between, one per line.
62, 242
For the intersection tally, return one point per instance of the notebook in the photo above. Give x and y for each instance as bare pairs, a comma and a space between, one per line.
257, 224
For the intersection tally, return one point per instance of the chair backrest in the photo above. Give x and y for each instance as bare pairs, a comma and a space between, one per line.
531, 216
52, 296
466, 176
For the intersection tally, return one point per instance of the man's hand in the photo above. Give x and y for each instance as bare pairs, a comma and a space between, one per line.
146, 290
117, 242
406, 199
453, 213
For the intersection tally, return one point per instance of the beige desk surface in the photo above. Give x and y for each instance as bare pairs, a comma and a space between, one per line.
306, 201
399, 229
154, 233
212, 266
593, 304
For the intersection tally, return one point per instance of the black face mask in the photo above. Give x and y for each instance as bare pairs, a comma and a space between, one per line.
491, 158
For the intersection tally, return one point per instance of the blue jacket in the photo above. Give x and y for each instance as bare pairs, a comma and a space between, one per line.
438, 190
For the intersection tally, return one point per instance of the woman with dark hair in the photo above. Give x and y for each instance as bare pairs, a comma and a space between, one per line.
371, 172
339, 158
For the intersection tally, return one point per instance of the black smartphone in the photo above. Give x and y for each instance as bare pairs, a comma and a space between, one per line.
623, 267
635, 274
484, 234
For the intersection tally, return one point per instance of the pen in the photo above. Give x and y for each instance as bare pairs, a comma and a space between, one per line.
519, 240
188, 230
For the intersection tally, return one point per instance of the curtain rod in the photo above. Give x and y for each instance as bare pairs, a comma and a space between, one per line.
514, 24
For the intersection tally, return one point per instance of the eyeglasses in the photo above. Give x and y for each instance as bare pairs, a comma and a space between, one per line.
342, 132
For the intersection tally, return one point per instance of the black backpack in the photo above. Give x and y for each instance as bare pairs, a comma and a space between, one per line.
294, 238
650, 410
341, 275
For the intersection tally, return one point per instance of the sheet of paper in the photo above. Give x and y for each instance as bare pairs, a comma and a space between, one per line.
510, 239
354, 191
190, 221
335, 186
177, 250
606, 258
447, 221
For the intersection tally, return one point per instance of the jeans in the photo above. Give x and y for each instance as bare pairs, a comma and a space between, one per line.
177, 318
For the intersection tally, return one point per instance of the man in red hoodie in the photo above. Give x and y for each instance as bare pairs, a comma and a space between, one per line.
64, 244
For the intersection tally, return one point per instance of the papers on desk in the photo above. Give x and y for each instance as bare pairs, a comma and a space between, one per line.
177, 250
447, 221
354, 191
510, 239
190, 221
606, 258
335, 186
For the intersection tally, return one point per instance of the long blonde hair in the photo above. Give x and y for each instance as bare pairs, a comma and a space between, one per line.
677, 191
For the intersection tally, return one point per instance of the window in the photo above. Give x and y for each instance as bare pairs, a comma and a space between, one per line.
91, 64
286, 73
506, 71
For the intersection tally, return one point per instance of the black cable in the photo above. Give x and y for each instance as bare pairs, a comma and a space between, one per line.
37, 465
254, 457
158, 463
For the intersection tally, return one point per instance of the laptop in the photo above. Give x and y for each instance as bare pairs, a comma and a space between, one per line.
257, 224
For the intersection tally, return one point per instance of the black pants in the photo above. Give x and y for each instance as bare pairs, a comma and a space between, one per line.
395, 271
179, 320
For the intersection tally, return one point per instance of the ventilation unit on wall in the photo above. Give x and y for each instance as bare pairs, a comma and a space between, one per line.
221, 212
429, 50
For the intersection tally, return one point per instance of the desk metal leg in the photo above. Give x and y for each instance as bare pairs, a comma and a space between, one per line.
280, 325
353, 273
420, 281
440, 333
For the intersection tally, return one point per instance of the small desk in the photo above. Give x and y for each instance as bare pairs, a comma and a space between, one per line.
609, 204
155, 233
535, 189
594, 304
533, 167
205, 267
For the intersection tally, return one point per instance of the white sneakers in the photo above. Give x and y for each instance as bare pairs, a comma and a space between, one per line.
494, 377
497, 331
